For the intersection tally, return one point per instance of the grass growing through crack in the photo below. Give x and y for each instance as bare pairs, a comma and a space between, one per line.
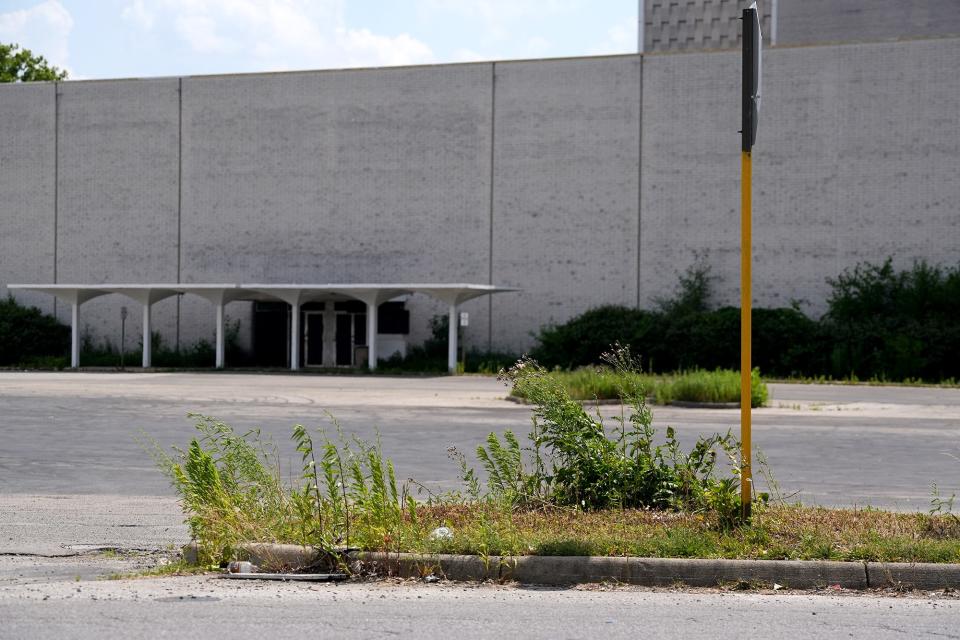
178, 567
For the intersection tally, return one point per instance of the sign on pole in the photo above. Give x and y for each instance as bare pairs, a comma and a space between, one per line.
752, 50
752, 63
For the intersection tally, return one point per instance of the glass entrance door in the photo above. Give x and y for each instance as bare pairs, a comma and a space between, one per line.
313, 338
344, 340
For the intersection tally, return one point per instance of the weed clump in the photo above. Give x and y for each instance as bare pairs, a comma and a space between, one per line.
231, 489
594, 467
697, 385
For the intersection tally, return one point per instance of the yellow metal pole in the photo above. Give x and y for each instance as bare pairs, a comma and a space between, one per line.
746, 476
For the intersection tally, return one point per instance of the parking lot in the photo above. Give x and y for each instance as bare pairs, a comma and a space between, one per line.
81, 434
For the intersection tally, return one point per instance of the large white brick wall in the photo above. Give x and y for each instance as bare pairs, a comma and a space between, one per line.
566, 167
28, 189
700, 25
855, 161
117, 146
582, 181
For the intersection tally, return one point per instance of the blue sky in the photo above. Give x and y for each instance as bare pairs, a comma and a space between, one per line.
142, 38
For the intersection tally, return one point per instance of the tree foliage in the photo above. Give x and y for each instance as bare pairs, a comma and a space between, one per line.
21, 65
26, 333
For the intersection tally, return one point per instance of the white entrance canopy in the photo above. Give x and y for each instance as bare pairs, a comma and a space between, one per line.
453, 295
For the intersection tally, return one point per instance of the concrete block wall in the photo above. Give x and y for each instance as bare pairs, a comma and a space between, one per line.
700, 25
823, 21
28, 189
855, 161
117, 202
581, 181
566, 168
339, 176
692, 25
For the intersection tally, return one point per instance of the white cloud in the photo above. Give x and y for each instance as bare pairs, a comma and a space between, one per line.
538, 46
201, 33
364, 46
502, 28
273, 35
621, 38
469, 55
43, 28
138, 14
499, 17
502, 10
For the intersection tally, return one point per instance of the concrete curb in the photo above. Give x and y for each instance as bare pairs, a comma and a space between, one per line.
686, 404
919, 575
648, 572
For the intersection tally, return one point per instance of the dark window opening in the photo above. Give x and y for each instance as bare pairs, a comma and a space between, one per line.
393, 318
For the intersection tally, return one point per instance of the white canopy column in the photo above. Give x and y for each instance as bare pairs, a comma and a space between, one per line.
218, 295
146, 296
453, 331
74, 295
454, 295
372, 295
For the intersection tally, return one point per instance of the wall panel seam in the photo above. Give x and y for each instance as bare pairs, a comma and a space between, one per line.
493, 134
56, 183
179, 196
639, 172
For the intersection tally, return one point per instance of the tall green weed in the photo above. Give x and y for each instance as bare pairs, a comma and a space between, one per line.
580, 461
231, 489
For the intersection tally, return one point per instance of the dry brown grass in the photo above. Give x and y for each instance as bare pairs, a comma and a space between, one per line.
776, 532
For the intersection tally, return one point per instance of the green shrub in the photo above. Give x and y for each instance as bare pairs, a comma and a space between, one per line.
881, 324
603, 383
592, 467
895, 325
684, 333
786, 343
27, 335
200, 354
431, 356
581, 340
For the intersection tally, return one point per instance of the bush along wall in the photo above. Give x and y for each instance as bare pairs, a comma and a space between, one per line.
29, 336
895, 325
880, 324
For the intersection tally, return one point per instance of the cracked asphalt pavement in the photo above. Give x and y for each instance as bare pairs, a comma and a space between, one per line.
81, 501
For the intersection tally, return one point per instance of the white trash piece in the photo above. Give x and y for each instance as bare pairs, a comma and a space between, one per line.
241, 566
441, 533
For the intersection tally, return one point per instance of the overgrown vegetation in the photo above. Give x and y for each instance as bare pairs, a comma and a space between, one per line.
896, 324
233, 492
30, 337
578, 486
347, 492
604, 383
431, 356
199, 354
684, 333
881, 324
578, 461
